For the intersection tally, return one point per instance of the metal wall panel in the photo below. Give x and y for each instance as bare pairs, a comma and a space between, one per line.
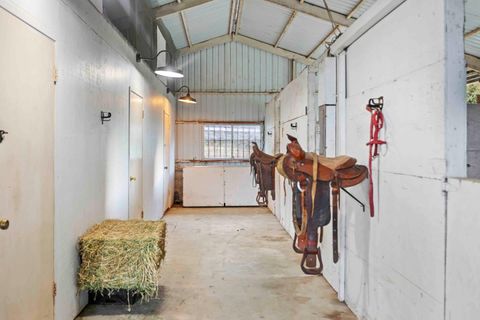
233, 67
224, 107
231, 82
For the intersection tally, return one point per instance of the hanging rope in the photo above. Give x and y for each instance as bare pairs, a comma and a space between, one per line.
376, 124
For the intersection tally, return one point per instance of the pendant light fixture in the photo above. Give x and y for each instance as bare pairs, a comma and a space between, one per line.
187, 98
167, 70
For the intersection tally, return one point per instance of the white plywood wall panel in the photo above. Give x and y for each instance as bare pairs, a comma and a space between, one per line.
419, 72
270, 114
239, 189
326, 90
294, 98
463, 246
395, 261
195, 194
283, 204
395, 58
269, 140
404, 136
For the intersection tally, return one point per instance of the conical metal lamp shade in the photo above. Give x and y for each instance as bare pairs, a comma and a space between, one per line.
170, 72
187, 99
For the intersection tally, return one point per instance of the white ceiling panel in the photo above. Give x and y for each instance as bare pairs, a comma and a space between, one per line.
208, 21
157, 3
263, 20
305, 33
173, 23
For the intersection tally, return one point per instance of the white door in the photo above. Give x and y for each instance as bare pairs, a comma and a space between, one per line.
167, 192
26, 171
135, 167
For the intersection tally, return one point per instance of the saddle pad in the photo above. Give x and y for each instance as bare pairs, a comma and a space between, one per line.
337, 163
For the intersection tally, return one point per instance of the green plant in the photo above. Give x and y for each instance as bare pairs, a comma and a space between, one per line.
473, 90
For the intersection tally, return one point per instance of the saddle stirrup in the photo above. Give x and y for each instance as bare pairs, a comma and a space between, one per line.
312, 271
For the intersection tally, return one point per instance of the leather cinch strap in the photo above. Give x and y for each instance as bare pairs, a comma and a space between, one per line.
376, 124
335, 193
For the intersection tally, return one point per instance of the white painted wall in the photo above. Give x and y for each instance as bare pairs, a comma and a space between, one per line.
463, 245
395, 262
393, 266
96, 68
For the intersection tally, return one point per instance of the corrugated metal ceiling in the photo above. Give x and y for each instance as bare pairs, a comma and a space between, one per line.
260, 20
264, 21
472, 22
208, 21
255, 25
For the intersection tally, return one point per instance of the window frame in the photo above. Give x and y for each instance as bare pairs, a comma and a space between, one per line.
232, 125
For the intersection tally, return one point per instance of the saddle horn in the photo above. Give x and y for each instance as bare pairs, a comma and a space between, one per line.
292, 138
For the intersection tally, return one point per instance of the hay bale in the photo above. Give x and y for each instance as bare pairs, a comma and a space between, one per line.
122, 255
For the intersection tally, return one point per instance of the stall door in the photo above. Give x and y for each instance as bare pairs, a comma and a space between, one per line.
167, 191
135, 191
26, 171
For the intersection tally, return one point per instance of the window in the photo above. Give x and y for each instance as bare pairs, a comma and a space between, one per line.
230, 141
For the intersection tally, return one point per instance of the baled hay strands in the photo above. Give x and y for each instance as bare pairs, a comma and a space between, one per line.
122, 255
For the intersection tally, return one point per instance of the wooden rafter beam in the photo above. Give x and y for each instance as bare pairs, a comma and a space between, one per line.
233, 4
355, 9
314, 11
175, 7
269, 48
205, 44
285, 28
239, 16
472, 33
322, 42
185, 29
249, 42
472, 62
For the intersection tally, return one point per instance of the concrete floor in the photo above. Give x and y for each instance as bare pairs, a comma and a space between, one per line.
230, 263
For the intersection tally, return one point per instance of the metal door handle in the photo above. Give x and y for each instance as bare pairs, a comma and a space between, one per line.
4, 224
133, 178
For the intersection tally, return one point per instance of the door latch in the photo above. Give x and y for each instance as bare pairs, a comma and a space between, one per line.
2, 133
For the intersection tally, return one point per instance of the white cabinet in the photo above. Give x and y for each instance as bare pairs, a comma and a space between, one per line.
239, 189
218, 186
203, 186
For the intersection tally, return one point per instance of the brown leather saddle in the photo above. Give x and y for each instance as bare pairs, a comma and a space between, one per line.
313, 178
263, 168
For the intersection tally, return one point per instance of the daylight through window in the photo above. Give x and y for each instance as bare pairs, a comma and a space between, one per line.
227, 141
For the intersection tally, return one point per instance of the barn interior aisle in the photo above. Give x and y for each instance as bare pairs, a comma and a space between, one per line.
230, 263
